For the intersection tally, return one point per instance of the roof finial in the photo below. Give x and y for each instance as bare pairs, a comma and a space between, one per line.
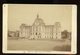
37, 15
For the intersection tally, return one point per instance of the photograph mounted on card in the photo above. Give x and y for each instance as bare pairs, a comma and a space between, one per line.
40, 28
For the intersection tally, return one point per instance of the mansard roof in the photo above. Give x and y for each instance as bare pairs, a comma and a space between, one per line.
39, 21
28, 26
49, 25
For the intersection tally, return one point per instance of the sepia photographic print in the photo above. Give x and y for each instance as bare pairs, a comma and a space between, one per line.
39, 28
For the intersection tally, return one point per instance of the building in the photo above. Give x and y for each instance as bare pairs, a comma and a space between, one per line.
38, 30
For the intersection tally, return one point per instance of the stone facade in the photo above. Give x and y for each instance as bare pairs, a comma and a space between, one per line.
39, 30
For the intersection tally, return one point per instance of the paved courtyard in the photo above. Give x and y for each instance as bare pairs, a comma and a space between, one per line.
44, 45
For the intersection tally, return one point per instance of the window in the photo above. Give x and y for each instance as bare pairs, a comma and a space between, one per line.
45, 36
39, 33
36, 33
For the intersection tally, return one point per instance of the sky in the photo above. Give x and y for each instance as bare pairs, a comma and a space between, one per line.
25, 13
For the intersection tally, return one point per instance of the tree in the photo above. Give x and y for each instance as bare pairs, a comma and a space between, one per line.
65, 34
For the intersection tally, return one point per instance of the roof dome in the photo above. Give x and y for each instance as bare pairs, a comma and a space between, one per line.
38, 21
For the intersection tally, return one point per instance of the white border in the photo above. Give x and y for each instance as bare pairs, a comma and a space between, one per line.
74, 33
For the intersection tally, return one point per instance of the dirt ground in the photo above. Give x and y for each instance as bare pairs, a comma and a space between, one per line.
43, 45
